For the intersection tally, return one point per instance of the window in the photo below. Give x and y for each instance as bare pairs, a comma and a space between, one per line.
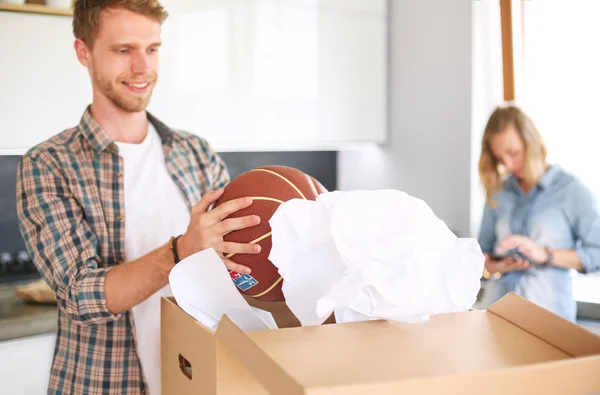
561, 81
550, 69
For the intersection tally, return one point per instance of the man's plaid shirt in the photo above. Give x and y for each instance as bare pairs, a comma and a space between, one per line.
70, 203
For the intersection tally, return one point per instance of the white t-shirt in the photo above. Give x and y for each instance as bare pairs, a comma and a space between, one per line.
155, 210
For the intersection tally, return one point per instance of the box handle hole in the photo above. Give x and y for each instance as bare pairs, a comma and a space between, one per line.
185, 366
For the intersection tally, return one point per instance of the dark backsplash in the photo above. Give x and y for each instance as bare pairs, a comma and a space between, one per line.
322, 165
15, 264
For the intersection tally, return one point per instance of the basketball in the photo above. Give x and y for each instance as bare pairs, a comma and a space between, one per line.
268, 186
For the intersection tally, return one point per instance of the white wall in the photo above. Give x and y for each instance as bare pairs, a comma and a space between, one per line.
429, 150
43, 88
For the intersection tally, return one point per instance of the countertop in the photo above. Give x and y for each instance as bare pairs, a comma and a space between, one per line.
20, 319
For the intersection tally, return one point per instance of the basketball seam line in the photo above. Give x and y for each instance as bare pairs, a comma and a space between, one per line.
266, 198
283, 178
268, 289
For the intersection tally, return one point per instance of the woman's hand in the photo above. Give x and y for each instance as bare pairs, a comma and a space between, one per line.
526, 246
505, 265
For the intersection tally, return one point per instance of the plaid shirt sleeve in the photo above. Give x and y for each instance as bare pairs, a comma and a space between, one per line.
217, 169
60, 241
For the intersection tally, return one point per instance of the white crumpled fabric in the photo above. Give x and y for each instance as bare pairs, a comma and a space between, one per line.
371, 255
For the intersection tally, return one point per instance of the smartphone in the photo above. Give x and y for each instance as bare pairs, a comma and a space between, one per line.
513, 253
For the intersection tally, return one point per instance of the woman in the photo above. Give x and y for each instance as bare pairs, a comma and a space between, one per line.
545, 212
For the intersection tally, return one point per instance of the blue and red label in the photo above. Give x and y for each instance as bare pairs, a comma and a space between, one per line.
243, 281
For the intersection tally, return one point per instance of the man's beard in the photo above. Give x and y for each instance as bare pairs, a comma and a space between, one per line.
128, 103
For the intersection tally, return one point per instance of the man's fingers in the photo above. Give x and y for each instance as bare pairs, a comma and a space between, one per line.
208, 199
235, 267
228, 247
231, 224
224, 210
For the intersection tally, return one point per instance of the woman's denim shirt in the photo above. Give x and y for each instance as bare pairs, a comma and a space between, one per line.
560, 213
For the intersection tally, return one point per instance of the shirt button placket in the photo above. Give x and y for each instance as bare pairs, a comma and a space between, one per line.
521, 216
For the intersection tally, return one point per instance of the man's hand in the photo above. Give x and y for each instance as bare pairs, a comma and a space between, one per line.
526, 246
505, 265
207, 229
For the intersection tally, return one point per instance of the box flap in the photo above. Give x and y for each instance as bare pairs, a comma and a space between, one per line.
373, 352
233, 377
194, 363
188, 351
273, 377
572, 339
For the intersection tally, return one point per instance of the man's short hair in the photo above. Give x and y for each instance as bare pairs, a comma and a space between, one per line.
86, 14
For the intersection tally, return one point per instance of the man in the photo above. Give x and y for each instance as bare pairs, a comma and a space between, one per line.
99, 205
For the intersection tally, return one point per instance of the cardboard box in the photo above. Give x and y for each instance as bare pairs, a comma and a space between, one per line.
514, 347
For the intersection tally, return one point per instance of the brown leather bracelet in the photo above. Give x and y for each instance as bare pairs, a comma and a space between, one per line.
173, 248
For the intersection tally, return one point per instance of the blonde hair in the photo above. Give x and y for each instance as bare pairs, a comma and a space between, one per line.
86, 15
535, 150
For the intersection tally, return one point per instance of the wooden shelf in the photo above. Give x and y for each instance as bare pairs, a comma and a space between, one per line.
35, 9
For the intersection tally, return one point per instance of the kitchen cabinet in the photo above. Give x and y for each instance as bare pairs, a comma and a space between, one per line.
269, 73
25, 364
245, 74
